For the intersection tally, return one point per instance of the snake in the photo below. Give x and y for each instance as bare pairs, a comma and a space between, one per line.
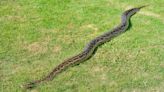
89, 49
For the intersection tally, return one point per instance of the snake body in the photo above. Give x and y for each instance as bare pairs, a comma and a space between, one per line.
90, 47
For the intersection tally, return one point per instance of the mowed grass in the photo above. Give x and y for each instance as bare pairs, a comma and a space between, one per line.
37, 35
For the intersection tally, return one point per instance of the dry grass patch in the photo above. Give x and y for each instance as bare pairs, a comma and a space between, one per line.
57, 49
90, 26
35, 48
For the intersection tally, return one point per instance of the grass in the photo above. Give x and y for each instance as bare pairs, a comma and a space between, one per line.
36, 35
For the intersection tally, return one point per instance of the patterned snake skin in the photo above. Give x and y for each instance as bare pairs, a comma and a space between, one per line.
89, 49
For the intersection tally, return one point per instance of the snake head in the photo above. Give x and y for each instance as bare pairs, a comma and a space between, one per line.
132, 11
142, 6
138, 8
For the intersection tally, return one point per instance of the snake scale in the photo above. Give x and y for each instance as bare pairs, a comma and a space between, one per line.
89, 49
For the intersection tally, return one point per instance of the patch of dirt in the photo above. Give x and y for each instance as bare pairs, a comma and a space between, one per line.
15, 18
104, 77
70, 26
47, 39
44, 30
56, 49
36, 48
66, 39
91, 26
34, 90
98, 69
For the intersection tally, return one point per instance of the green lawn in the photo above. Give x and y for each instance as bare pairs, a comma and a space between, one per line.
37, 35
